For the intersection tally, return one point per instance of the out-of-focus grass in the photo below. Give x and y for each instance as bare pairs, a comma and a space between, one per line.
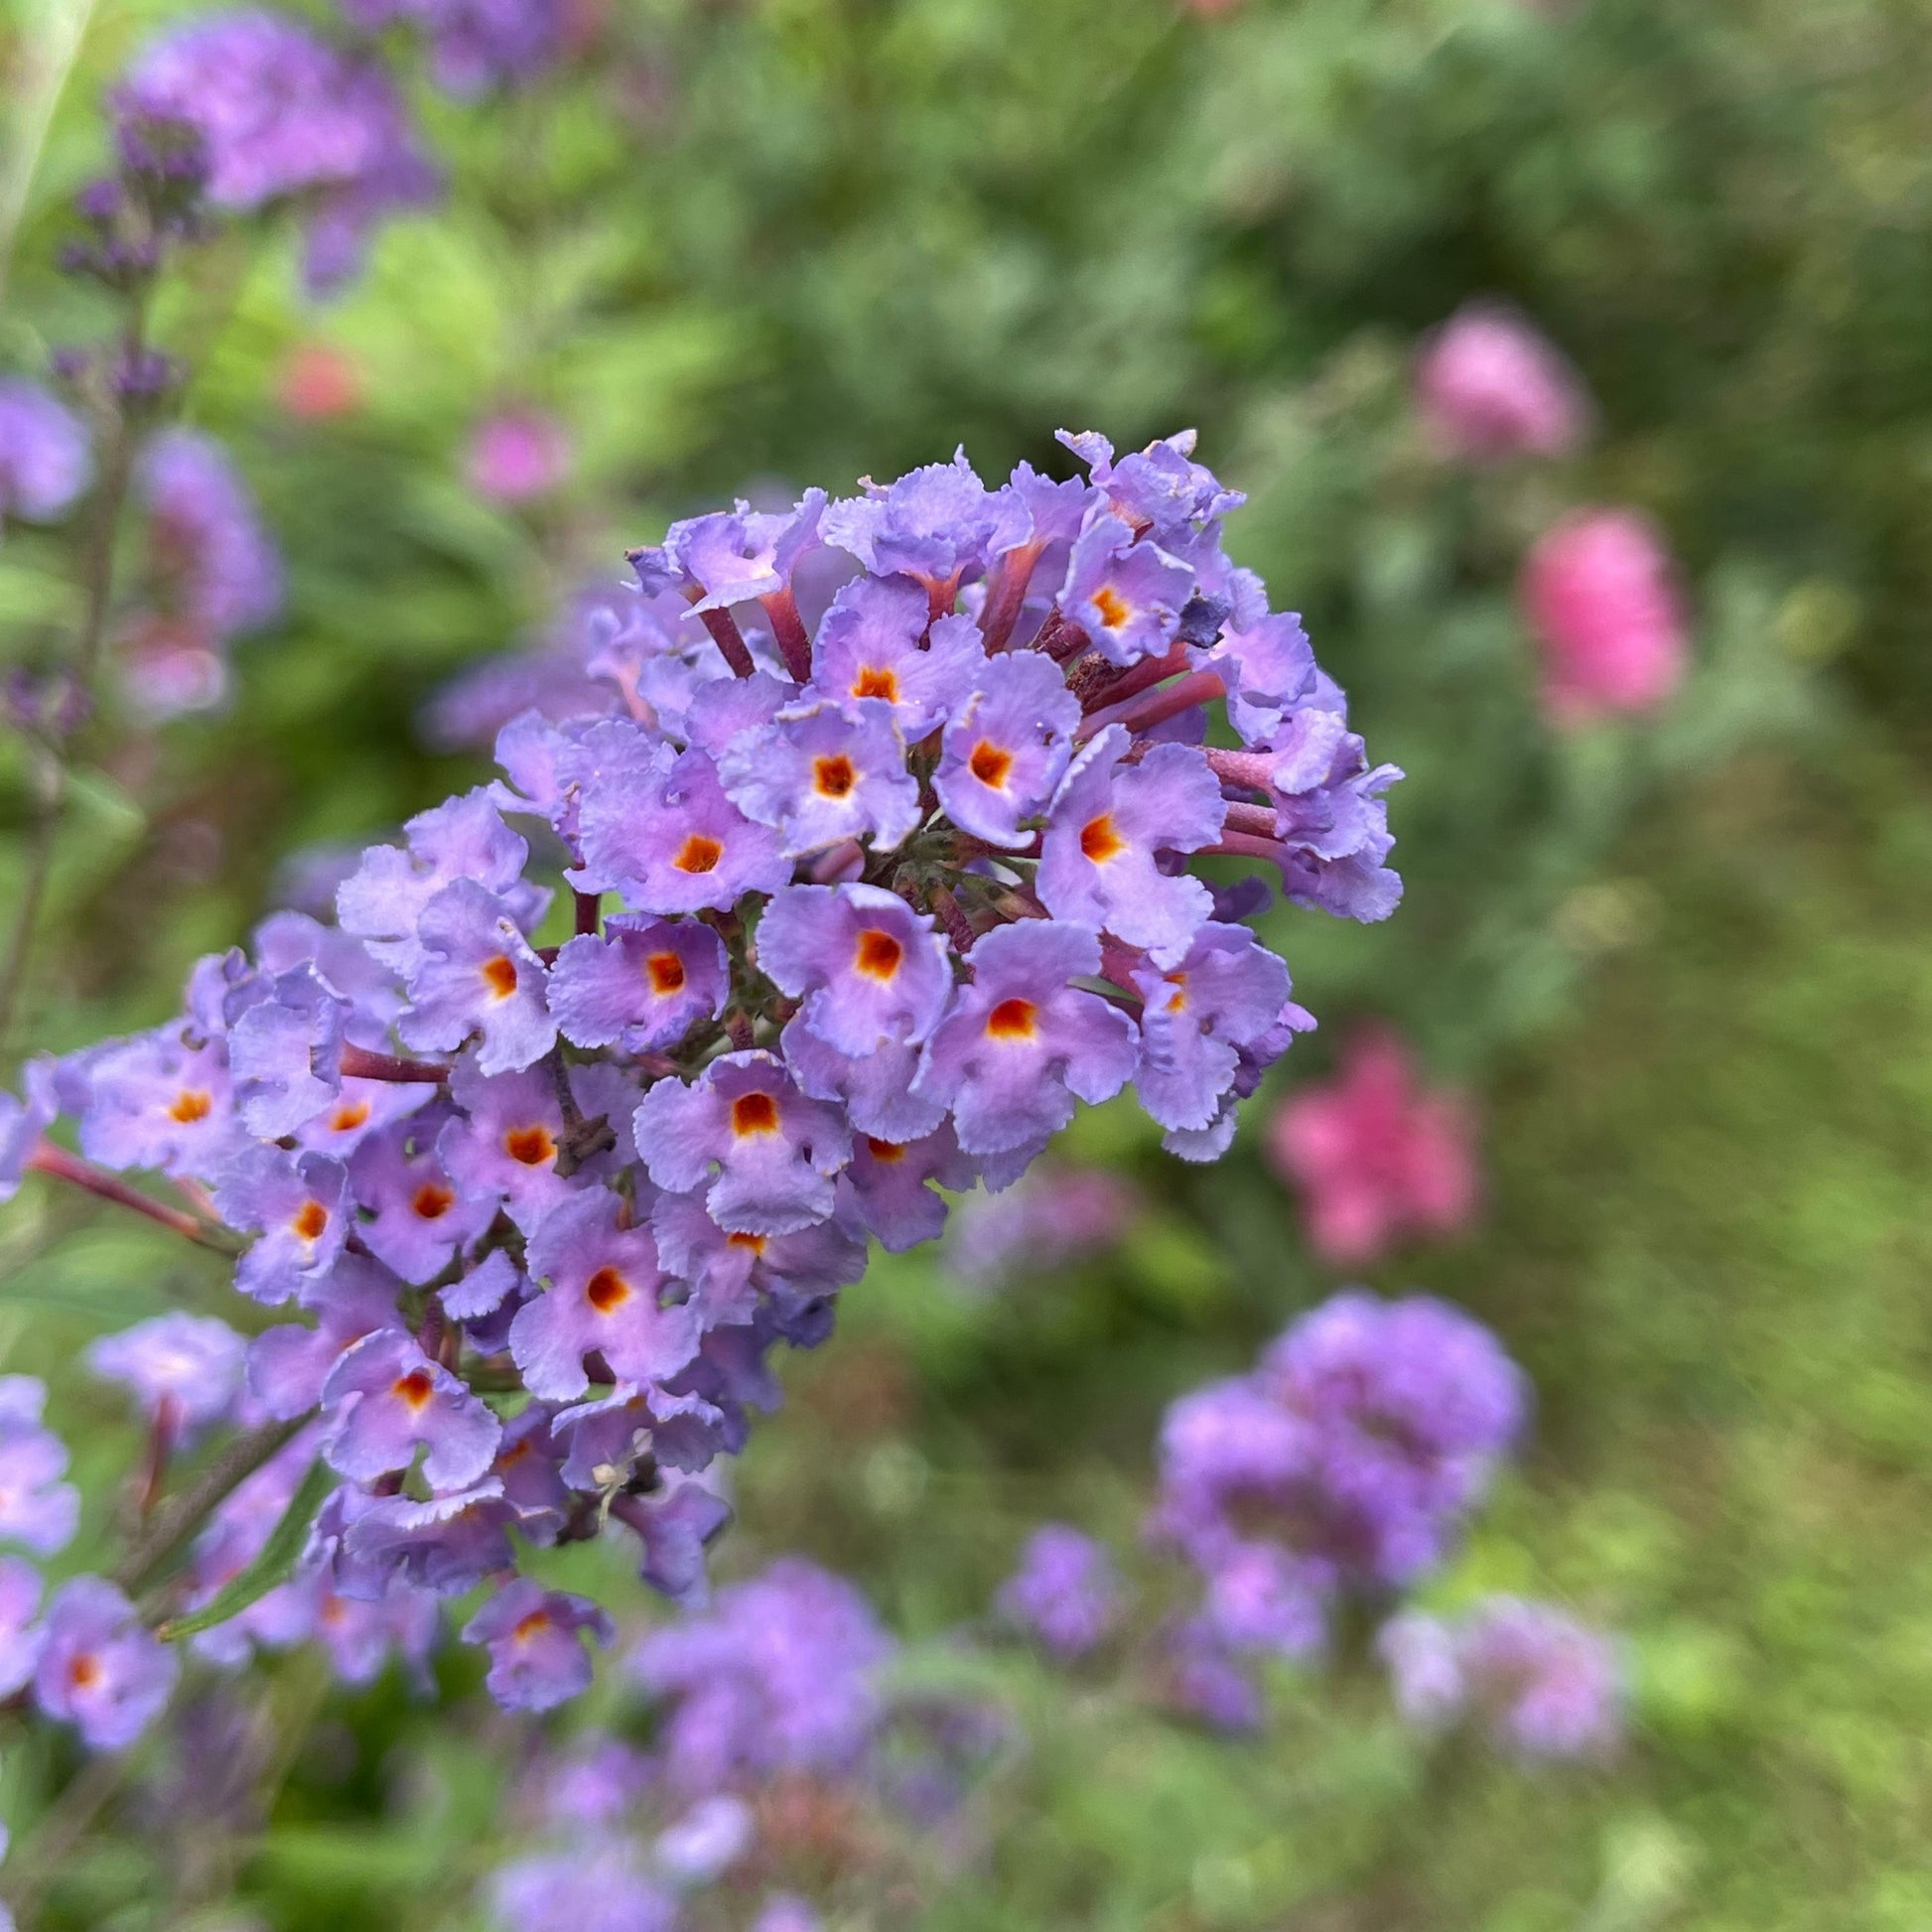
1707, 1243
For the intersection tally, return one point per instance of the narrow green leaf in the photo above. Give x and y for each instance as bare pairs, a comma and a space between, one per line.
272, 1567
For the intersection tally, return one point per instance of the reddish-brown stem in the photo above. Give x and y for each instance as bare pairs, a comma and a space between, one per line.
1258, 819
162, 1431
49, 1158
1109, 687
1006, 596
958, 928
726, 635
1244, 845
1197, 688
828, 865
1251, 770
794, 646
359, 1063
1119, 964
1060, 639
589, 905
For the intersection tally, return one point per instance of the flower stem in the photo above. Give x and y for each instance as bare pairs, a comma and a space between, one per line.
51, 1159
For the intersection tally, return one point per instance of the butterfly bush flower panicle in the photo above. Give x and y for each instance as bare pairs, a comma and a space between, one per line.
1599, 597
1065, 1593
1544, 1685
865, 905
1489, 386
1375, 1155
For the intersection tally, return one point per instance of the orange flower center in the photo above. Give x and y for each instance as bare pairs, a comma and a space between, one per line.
875, 681
191, 1104
1011, 1019
754, 1242
1112, 608
879, 954
531, 1145
666, 973
990, 764
886, 1153
309, 1221
833, 777
606, 1290
1177, 998
349, 1116
754, 1113
84, 1671
415, 1388
500, 975
432, 1202
1099, 840
698, 853
527, 1627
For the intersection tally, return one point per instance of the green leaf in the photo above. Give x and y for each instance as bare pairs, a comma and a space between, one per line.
272, 1567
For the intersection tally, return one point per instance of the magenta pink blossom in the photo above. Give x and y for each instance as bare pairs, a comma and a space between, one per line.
1489, 386
1375, 1158
1598, 596
518, 455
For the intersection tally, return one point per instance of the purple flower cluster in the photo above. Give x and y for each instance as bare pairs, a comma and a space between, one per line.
283, 114
476, 45
86, 1658
210, 572
861, 910
1066, 1593
1343, 1463
1543, 1685
776, 1688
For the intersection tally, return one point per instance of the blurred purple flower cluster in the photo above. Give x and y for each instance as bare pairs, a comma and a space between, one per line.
1343, 1464
893, 892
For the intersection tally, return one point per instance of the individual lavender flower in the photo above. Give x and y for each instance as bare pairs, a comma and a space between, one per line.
1005, 751
415, 1217
1598, 596
879, 642
602, 1298
20, 1636
662, 834
360, 1637
644, 984
1022, 1041
36, 1507
99, 1668
24, 1119
478, 976
1065, 1593
212, 565
283, 114
778, 1676
892, 1184
1545, 1685
763, 1153
300, 1209
184, 1370
1376, 1157
43, 461
820, 774
869, 969
386, 1399
156, 1101
536, 1660
935, 525
1126, 596
1489, 386
1099, 858
519, 455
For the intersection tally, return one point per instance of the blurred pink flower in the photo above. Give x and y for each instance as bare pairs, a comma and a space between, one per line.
1596, 592
1490, 386
518, 455
320, 383
1375, 1157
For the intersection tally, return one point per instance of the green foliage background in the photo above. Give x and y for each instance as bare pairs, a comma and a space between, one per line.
1681, 962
